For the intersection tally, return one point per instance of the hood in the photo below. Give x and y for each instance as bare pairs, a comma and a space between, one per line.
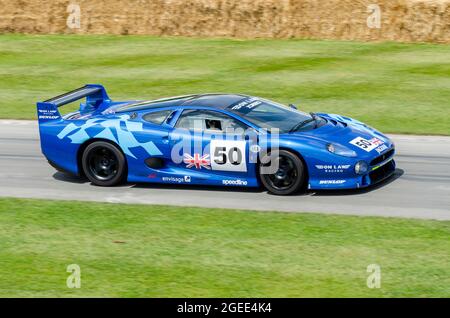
350, 133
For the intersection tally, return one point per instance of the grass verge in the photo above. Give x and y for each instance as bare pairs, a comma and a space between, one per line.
161, 251
398, 88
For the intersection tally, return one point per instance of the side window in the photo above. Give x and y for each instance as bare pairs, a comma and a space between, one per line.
157, 117
208, 120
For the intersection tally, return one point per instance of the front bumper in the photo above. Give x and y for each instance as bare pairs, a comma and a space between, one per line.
380, 173
380, 168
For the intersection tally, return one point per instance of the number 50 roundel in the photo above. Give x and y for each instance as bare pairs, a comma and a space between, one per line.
228, 155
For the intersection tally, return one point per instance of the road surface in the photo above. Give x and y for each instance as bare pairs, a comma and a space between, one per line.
419, 189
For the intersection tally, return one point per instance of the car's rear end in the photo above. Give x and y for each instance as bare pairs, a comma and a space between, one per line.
60, 152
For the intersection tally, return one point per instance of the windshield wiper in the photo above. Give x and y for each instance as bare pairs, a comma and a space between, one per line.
304, 123
316, 119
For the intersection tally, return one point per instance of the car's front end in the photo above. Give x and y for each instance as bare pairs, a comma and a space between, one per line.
351, 173
343, 153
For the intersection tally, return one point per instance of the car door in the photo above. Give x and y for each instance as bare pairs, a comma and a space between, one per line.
214, 146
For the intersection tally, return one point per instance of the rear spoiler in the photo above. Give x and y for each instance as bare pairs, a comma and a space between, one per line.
95, 96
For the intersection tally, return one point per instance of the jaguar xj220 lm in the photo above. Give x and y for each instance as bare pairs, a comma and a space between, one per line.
210, 139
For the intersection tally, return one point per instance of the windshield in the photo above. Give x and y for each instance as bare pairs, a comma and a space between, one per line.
267, 114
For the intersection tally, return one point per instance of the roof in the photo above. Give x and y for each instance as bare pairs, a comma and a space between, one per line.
206, 100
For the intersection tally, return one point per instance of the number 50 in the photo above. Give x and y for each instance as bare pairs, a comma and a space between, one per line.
221, 156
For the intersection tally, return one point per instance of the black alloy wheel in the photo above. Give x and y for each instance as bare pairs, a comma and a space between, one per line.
104, 164
289, 176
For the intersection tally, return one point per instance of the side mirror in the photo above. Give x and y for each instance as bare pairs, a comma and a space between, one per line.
292, 106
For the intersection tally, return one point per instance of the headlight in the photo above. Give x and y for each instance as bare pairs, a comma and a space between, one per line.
340, 150
361, 167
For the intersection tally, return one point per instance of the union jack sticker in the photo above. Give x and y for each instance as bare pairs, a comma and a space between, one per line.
197, 161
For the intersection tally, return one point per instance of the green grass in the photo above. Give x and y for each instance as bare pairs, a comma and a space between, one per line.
160, 251
398, 88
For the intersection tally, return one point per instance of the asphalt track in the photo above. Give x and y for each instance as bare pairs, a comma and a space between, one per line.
420, 187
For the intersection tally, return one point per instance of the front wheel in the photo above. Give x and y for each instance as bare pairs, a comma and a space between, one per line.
104, 164
287, 177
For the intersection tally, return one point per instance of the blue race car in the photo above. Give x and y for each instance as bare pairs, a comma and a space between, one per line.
211, 139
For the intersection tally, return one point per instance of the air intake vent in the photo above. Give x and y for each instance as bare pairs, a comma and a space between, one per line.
338, 123
382, 158
333, 122
154, 163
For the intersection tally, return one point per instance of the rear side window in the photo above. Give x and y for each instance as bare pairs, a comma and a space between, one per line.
157, 117
208, 121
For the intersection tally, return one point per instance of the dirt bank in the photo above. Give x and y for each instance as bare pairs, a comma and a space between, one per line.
401, 20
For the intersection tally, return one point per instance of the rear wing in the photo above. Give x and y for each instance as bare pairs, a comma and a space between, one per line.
95, 96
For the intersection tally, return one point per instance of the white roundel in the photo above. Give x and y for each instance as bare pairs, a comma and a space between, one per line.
367, 145
228, 155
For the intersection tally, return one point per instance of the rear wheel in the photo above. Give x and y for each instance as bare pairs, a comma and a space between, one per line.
104, 164
289, 176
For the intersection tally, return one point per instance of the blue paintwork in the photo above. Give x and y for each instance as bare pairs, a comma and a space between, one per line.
98, 118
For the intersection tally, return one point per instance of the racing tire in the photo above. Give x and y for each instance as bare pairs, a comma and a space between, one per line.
288, 179
104, 164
